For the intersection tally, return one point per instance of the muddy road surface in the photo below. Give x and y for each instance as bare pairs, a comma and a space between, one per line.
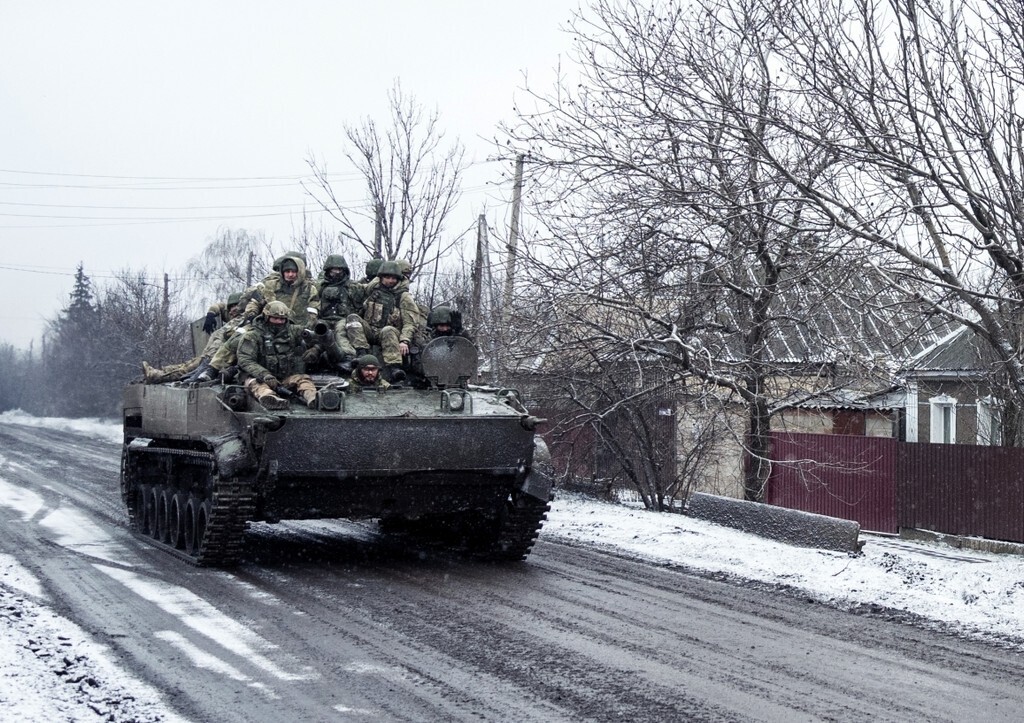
330, 620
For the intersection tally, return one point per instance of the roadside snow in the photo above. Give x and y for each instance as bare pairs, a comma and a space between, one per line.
978, 593
94, 428
50, 670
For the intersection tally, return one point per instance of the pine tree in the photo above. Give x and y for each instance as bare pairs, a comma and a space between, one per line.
75, 356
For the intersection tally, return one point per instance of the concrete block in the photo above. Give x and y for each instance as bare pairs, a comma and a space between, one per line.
803, 529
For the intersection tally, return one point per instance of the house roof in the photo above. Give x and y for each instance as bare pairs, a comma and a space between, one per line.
959, 353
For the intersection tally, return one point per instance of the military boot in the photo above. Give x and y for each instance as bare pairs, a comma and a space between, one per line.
272, 401
395, 374
151, 375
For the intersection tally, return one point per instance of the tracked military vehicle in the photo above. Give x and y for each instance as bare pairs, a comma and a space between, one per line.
453, 461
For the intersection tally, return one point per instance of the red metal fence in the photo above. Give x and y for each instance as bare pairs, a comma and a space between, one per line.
849, 477
884, 484
962, 490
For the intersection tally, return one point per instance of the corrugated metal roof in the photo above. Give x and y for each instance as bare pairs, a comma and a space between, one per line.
960, 351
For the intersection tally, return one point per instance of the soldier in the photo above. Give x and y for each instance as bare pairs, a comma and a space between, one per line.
270, 356
339, 297
290, 286
230, 314
372, 266
389, 318
219, 312
366, 374
444, 321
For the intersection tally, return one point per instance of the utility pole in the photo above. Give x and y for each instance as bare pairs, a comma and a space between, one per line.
478, 274
248, 271
165, 313
504, 318
378, 230
513, 235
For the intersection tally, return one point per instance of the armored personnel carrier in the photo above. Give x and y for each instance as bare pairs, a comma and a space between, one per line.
455, 462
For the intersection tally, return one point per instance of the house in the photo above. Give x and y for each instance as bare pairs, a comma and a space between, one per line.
950, 392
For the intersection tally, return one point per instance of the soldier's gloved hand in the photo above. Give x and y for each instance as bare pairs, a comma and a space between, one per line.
211, 322
271, 381
311, 355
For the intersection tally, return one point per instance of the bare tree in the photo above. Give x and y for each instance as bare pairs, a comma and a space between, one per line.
413, 183
139, 322
675, 248
921, 107
232, 261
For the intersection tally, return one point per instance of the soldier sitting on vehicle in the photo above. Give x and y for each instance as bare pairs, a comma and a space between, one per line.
339, 297
292, 287
372, 266
270, 357
366, 374
389, 318
229, 313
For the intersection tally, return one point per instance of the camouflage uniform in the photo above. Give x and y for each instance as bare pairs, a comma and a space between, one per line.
338, 299
226, 355
301, 297
358, 383
229, 313
389, 317
271, 356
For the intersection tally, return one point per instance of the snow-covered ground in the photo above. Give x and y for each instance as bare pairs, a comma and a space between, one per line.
50, 670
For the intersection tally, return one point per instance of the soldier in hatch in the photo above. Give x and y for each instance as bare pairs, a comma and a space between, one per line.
389, 318
445, 321
270, 358
366, 374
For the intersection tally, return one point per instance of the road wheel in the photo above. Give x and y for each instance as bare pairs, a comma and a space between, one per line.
144, 509
176, 521
163, 508
192, 537
154, 505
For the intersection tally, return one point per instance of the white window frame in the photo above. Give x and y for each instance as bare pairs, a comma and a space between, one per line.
943, 409
910, 407
990, 421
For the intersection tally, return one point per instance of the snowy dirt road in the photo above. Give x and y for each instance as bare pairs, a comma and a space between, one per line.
332, 621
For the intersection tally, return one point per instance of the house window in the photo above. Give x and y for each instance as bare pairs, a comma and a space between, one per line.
990, 422
943, 418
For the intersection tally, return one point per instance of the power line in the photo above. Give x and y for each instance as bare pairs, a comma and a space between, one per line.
149, 208
281, 177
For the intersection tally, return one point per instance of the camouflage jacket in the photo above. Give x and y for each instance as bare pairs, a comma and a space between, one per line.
302, 297
339, 299
393, 307
264, 350
358, 385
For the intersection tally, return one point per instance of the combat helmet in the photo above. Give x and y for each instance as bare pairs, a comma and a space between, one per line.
286, 254
390, 268
439, 315
276, 308
405, 266
372, 266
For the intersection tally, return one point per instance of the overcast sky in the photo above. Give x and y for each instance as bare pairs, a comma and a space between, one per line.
133, 131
